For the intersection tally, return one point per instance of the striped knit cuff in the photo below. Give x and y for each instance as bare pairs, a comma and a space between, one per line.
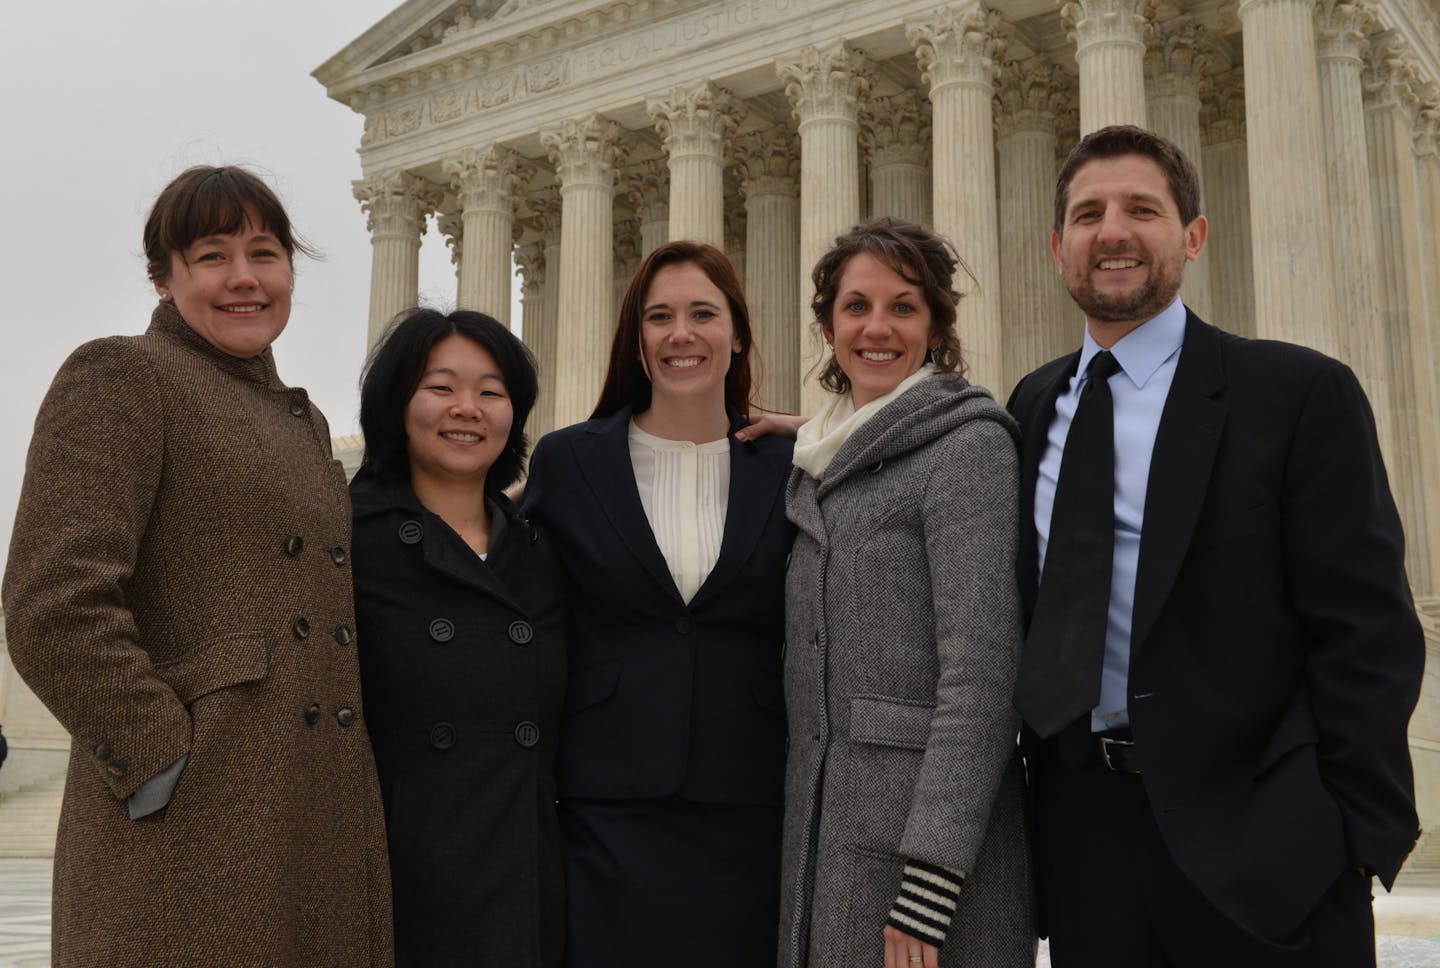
926, 904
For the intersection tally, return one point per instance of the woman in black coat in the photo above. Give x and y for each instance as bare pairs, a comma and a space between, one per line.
461, 631
675, 538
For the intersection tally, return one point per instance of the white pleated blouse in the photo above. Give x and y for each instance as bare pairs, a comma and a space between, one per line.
684, 488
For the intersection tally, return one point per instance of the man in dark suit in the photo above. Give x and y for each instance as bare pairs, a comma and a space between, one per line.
1222, 653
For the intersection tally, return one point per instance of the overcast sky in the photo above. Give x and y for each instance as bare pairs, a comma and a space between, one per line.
101, 104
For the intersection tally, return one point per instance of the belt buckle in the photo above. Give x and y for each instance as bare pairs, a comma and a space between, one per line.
1105, 743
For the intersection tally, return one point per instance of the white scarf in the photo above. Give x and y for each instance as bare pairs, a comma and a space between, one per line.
822, 436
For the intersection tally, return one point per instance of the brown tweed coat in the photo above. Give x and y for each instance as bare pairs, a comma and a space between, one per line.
179, 583
902, 636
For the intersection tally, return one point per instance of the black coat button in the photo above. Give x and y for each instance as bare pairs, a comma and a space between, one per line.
301, 627
297, 409
338, 555
345, 716
684, 626
102, 752
527, 734
442, 736
293, 545
876, 467
521, 633
343, 635
442, 630
312, 713
411, 532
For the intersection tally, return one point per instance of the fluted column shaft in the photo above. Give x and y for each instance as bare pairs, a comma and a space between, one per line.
1289, 214
958, 54
1395, 187
1360, 339
1109, 38
530, 260
694, 122
824, 86
485, 180
1226, 172
540, 326
627, 260
649, 190
1427, 145
584, 152
895, 135
396, 206
769, 167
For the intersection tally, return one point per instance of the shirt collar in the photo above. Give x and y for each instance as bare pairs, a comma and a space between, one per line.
1144, 349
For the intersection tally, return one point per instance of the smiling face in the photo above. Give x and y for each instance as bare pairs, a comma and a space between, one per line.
686, 336
234, 290
1123, 250
458, 420
880, 327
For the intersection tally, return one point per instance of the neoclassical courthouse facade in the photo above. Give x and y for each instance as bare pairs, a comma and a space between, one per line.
570, 137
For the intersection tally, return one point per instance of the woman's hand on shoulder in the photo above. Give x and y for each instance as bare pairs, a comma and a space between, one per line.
907, 951
785, 425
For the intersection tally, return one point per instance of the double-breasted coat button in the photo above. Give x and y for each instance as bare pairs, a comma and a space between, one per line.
345, 716
102, 752
521, 633
442, 736
312, 713
294, 545
338, 555
875, 467
343, 635
117, 768
527, 734
301, 627
684, 626
297, 409
442, 630
411, 532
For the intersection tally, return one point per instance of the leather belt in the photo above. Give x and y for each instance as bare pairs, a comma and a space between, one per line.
1117, 754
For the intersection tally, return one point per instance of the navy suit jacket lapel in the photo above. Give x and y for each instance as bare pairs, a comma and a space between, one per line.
757, 479
603, 456
1180, 466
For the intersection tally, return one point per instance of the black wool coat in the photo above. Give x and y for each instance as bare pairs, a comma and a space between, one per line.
462, 662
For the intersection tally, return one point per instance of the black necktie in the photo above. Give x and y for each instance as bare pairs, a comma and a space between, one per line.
1060, 667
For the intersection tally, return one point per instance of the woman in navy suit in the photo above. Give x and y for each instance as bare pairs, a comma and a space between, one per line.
674, 537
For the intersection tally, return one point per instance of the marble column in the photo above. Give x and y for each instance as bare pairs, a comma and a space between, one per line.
1289, 213
540, 332
1179, 54
1109, 38
769, 169
649, 191
1427, 151
825, 86
584, 151
1039, 320
627, 260
1391, 110
451, 226
396, 205
1226, 173
694, 122
530, 261
735, 231
486, 180
959, 52
895, 138
1360, 339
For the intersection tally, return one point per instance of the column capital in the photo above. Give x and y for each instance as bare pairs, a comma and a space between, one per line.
959, 45
530, 260
695, 120
895, 130
736, 220
627, 247
396, 203
544, 207
826, 81
1427, 129
1341, 29
767, 162
1031, 96
1096, 23
584, 150
1390, 78
452, 227
1222, 107
648, 187
1180, 53
488, 177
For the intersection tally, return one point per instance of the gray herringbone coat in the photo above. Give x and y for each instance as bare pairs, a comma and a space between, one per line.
903, 633
179, 583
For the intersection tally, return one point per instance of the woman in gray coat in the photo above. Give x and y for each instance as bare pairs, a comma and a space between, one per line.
904, 826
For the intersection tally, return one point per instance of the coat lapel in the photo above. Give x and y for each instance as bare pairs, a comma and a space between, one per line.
1035, 416
603, 456
1185, 447
448, 554
756, 479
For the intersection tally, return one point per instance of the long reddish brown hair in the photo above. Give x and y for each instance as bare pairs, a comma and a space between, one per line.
625, 379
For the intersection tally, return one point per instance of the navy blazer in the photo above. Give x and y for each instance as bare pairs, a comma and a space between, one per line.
666, 698
1275, 654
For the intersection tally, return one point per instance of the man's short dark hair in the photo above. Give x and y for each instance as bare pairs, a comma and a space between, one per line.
1119, 140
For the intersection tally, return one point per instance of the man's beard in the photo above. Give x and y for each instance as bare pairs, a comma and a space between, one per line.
1140, 304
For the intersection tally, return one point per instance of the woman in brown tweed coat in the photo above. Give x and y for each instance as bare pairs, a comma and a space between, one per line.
178, 594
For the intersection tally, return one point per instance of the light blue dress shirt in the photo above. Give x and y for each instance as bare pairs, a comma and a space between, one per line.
1147, 358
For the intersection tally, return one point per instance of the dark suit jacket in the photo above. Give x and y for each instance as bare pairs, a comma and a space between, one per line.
1276, 656
666, 698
